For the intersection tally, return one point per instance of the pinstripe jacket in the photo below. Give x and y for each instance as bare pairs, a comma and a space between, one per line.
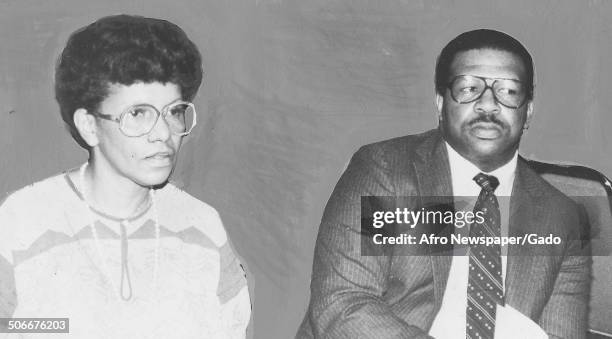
398, 296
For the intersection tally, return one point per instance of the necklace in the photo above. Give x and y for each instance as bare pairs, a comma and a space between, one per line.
125, 274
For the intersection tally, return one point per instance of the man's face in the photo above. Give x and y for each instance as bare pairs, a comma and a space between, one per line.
484, 131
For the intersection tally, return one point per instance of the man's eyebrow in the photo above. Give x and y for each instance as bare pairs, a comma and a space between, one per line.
480, 76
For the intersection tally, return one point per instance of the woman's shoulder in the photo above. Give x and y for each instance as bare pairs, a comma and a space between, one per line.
180, 210
43, 194
30, 211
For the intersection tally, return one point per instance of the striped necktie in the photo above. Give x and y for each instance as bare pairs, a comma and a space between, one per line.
485, 286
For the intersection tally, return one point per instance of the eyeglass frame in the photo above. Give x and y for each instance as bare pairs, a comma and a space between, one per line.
164, 112
487, 86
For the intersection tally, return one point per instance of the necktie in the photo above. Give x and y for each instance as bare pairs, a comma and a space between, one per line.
485, 286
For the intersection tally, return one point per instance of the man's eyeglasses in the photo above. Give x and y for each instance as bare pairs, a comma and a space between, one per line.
468, 88
139, 120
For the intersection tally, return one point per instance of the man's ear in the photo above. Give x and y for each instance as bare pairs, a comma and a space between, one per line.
529, 114
86, 126
439, 104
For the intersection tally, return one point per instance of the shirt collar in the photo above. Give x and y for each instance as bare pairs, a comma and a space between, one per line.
463, 172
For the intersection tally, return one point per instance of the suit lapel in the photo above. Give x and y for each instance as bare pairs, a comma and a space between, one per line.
434, 180
527, 215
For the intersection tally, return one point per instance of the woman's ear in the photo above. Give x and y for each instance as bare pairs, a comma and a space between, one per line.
86, 125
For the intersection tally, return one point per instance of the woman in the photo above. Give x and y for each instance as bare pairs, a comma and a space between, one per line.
112, 245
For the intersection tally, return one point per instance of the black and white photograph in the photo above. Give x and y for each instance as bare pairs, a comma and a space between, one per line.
306, 169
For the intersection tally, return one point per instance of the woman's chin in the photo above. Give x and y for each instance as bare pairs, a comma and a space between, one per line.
153, 178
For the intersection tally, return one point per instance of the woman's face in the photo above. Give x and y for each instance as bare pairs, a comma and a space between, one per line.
145, 160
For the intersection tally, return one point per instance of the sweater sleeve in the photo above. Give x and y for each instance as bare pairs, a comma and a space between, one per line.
233, 295
8, 294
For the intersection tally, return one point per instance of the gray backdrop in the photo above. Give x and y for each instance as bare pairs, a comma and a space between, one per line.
291, 90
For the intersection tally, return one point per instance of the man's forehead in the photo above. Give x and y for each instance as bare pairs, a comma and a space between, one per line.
488, 63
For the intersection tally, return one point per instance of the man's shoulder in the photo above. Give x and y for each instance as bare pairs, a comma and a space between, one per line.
547, 190
560, 206
402, 146
401, 143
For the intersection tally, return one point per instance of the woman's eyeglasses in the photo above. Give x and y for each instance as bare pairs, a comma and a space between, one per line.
139, 120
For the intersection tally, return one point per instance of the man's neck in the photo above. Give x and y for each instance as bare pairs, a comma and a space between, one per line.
489, 165
463, 172
486, 168
486, 164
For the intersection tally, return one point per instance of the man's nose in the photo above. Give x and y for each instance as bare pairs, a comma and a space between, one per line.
487, 103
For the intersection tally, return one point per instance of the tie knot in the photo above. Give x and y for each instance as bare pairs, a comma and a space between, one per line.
487, 182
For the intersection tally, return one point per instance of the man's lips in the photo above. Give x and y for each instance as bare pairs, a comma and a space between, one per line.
486, 130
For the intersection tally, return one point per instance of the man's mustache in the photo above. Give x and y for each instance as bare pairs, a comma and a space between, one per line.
487, 119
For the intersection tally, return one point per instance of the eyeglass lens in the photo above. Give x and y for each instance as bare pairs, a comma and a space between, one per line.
508, 92
141, 119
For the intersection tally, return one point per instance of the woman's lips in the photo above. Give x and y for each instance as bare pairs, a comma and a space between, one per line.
161, 158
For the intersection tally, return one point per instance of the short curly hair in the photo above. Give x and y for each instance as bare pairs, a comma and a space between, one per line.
123, 49
481, 39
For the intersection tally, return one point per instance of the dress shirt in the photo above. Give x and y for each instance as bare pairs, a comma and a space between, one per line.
450, 321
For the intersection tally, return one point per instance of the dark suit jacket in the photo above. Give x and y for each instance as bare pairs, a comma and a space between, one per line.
393, 296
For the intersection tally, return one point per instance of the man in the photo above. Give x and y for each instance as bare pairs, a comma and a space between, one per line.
484, 93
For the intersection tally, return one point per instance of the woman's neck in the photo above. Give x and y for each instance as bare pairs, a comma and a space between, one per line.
112, 193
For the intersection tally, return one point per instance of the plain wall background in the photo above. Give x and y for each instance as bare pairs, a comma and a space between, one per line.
291, 90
